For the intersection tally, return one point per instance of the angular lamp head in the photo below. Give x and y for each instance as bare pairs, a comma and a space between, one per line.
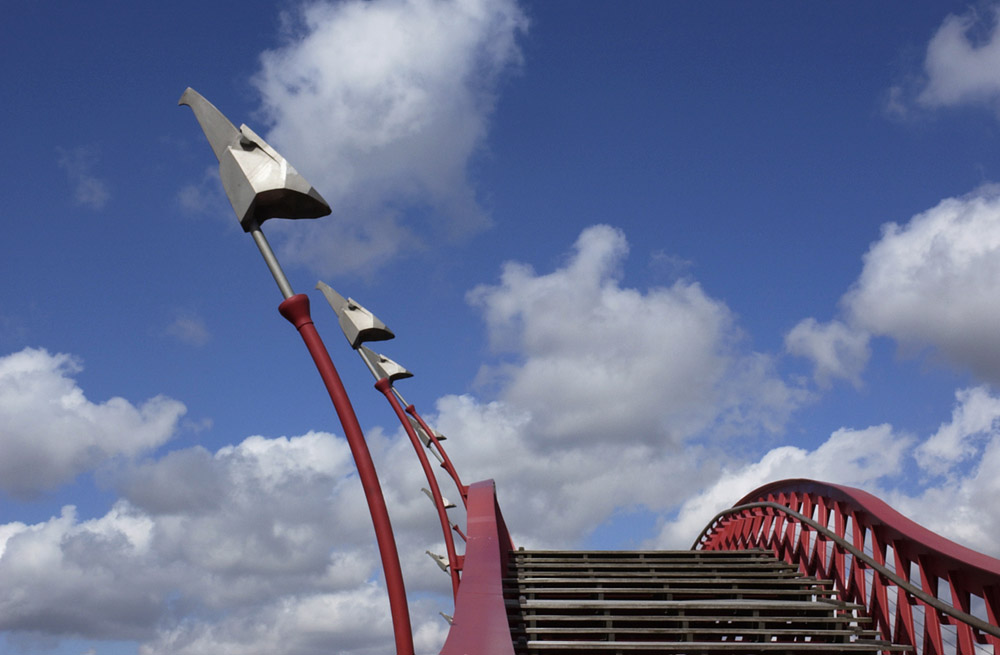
447, 503
359, 324
420, 432
259, 183
440, 560
382, 366
425, 439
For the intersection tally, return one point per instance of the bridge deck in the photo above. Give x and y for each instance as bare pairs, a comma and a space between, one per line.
565, 602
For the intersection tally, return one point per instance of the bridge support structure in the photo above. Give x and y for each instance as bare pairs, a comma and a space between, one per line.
919, 588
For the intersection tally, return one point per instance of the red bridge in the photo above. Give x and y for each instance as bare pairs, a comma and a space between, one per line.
796, 566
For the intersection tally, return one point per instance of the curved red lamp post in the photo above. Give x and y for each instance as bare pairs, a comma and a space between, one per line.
260, 184
446, 464
360, 325
454, 562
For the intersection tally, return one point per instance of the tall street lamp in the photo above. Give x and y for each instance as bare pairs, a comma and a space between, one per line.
261, 184
435, 437
360, 325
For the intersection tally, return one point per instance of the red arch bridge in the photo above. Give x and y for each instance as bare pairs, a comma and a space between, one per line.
796, 566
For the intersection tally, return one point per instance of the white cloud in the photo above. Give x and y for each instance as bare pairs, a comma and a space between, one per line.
593, 358
261, 547
835, 349
50, 432
958, 463
961, 460
266, 546
963, 507
974, 419
381, 105
610, 397
961, 67
933, 281
188, 328
554, 496
206, 197
355, 621
851, 457
88, 190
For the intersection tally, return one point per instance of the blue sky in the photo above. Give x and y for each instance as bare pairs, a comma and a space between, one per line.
641, 258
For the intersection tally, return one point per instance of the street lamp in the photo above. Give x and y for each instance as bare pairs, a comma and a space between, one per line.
360, 326
383, 367
355, 320
447, 505
435, 437
261, 184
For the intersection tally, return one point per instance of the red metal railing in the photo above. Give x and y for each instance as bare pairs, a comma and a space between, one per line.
480, 623
918, 588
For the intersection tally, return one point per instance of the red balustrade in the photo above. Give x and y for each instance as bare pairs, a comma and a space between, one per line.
480, 624
918, 588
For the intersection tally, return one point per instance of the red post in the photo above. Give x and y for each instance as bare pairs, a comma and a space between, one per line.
463, 490
480, 626
296, 310
385, 386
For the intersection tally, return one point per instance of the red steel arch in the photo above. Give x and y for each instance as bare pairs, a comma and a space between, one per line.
919, 588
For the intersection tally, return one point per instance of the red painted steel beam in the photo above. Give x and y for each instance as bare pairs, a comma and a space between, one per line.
480, 624
864, 523
385, 386
463, 490
296, 310
947, 554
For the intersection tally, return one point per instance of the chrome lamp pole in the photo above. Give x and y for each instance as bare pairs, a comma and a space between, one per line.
261, 184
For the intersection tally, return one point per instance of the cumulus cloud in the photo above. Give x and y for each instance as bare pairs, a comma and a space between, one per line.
932, 282
606, 397
382, 105
963, 508
959, 67
929, 284
88, 190
974, 419
835, 350
554, 497
852, 457
206, 197
958, 464
50, 432
963, 60
266, 532
668, 357
188, 328
260, 547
